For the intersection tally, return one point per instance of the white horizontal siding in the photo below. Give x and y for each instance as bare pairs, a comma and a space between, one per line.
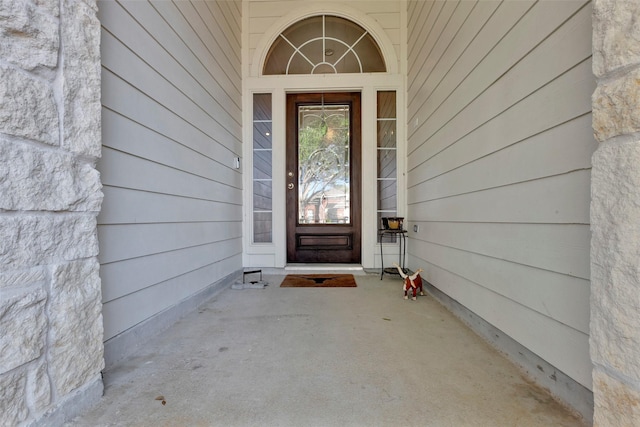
130, 241
561, 297
565, 201
497, 84
140, 173
550, 339
135, 308
197, 153
172, 126
499, 151
139, 207
465, 170
555, 247
131, 275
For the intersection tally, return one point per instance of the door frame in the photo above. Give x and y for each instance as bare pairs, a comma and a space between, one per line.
274, 254
324, 243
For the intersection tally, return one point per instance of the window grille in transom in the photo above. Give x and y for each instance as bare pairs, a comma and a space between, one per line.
324, 44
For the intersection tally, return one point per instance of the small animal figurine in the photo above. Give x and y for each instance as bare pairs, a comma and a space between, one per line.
413, 282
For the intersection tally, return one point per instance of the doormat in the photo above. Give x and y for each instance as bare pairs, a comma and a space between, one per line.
319, 281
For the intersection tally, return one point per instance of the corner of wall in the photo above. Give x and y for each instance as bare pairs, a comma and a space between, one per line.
124, 344
51, 350
615, 209
565, 389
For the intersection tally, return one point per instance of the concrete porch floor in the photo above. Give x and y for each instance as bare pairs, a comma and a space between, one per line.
321, 357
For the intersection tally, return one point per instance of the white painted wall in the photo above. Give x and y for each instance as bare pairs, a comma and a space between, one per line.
171, 93
499, 150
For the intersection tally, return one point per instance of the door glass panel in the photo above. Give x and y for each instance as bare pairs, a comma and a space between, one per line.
323, 164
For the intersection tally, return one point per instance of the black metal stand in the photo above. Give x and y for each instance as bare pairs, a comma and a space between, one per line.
244, 274
402, 235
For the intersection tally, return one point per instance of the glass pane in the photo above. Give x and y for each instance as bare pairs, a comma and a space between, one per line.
387, 133
261, 135
350, 63
278, 57
262, 106
387, 197
313, 51
386, 104
323, 164
262, 226
299, 65
342, 29
387, 164
302, 31
262, 195
262, 165
369, 53
334, 50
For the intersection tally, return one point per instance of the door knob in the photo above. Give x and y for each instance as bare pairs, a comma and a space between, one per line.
290, 186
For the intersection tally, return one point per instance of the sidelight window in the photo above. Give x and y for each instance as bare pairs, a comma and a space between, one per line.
387, 179
262, 169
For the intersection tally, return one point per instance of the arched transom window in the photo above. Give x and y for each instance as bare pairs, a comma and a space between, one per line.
324, 44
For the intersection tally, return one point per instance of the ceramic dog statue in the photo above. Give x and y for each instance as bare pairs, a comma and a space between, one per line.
412, 282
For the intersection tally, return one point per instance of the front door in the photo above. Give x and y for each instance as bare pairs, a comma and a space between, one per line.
323, 178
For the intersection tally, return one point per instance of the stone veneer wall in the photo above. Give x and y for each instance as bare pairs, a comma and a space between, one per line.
615, 214
51, 350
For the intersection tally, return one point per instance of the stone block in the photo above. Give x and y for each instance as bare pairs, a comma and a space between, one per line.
76, 353
29, 36
32, 179
31, 240
38, 387
615, 106
81, 70
23, 324
615, 251
27, 107
13, 402
615, 403
616, 35
22, 278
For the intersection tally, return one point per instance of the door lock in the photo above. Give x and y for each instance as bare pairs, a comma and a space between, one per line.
290, 186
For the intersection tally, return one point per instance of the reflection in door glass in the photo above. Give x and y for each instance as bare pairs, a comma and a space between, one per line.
323, 164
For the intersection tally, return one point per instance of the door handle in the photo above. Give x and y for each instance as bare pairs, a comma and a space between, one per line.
290, 186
